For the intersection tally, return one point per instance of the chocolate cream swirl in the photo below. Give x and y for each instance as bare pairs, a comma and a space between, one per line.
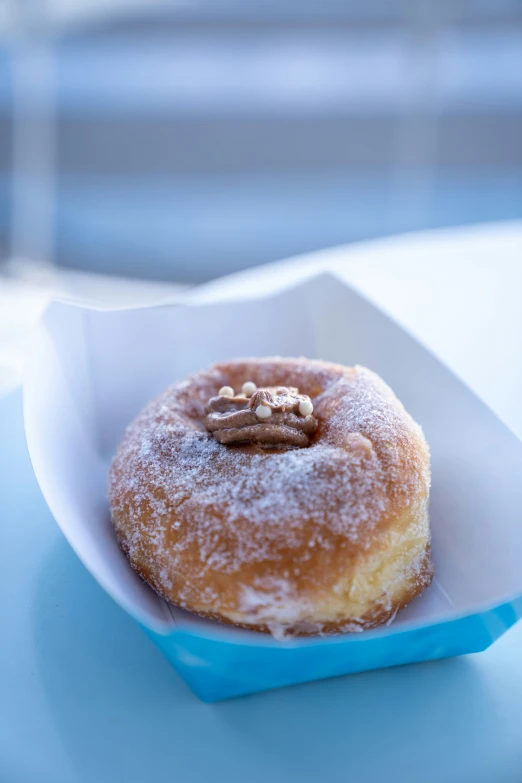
233, 420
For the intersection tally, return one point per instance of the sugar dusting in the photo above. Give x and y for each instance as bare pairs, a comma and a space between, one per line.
191, 511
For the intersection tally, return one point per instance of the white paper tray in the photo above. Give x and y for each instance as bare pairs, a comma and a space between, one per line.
91, 371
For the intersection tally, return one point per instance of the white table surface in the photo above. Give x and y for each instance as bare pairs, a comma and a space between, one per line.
84, 696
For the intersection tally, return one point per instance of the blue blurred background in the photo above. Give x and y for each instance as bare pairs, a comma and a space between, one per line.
183, 141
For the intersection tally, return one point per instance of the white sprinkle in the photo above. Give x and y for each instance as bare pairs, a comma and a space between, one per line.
306, 408
263, 412
226, 391
248, 388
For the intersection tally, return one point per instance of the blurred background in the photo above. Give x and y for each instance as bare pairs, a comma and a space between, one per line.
180, 141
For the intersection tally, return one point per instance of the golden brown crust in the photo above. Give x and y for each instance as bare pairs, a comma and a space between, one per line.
323, 539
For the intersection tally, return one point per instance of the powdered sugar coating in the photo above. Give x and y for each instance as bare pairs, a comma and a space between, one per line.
206, 523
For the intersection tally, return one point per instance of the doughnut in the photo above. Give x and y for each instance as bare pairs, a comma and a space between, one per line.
286, 496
